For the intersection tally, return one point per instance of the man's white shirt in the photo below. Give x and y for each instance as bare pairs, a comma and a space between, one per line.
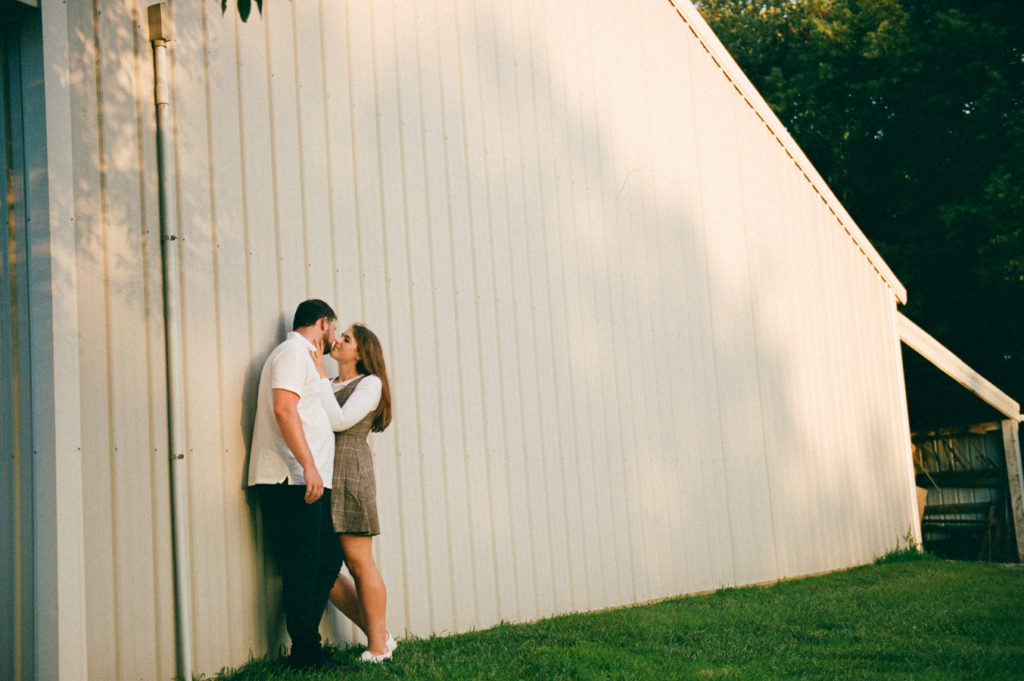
290, 367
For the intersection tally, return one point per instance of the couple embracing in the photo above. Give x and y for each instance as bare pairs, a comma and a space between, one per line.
312, 470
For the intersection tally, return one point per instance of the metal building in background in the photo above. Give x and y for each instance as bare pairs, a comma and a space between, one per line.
623, 314
971, 475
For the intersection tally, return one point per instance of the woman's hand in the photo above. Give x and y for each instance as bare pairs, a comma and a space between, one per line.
318, 358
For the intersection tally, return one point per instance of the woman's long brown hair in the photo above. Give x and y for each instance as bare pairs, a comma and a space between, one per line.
372, 362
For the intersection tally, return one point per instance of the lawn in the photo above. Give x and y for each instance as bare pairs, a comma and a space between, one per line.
921, 619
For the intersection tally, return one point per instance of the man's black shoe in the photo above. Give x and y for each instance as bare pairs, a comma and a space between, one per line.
319, 662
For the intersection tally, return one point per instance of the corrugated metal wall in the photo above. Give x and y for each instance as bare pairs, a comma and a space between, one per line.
634, 351
17, 585
943, 454
965, 473
129, 578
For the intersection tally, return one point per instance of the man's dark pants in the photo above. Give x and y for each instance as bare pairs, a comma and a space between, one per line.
308, 555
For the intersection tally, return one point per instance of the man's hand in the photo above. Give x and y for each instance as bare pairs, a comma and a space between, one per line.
318, 358
314, 484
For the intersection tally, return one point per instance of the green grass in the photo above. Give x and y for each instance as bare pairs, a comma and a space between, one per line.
906, 618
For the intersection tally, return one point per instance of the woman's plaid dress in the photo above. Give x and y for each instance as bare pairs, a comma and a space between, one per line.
354, 488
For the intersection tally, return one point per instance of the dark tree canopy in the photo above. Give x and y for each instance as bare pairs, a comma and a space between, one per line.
913, 112
244, 7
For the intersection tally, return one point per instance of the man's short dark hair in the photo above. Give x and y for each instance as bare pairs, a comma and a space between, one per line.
309, 311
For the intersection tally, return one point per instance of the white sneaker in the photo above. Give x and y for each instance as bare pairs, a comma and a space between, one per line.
367, 656
391, 643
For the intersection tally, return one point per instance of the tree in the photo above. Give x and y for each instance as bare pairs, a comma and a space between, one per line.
913, 112
244, 7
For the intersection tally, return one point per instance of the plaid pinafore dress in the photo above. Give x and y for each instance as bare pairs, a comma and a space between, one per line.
354, 488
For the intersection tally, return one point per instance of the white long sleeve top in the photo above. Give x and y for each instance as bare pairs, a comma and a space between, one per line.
363, 400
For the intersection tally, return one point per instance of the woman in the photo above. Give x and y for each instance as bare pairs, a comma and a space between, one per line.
358, 401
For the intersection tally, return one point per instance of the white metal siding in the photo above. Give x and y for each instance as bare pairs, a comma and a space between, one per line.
130, 629
17, 503
636, 349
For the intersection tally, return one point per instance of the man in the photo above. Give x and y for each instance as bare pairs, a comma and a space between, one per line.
291, 464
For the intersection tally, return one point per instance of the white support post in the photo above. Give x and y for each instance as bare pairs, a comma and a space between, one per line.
1015, 479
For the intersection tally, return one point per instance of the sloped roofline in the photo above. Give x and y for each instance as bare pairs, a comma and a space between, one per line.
745, 89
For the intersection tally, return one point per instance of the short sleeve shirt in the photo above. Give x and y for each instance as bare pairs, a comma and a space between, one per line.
289, 367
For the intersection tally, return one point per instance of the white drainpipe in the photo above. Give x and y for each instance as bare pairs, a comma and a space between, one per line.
160, 35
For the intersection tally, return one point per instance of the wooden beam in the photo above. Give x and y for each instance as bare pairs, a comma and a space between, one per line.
954, 367
1011, 447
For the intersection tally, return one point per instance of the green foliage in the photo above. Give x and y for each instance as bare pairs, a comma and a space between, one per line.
908, 554
905, 552
913, 111
244, 8
927, 619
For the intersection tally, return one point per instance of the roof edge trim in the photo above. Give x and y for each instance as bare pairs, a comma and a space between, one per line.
734, 74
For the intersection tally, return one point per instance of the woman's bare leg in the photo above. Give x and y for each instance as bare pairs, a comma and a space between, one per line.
370, 588
345, 599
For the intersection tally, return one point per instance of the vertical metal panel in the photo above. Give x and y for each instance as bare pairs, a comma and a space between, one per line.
195, 228
567, 517
646, 481
126, 525
390, 301
705, 415
13, 504
834, 442
102, 634
559, 473
533, 318
133, 517
770, 303
425, 526
96, 468
235, 382
728, 330
57, 490
634, 352
674, 198
17, 535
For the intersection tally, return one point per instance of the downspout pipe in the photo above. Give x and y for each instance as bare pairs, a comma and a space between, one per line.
170, 247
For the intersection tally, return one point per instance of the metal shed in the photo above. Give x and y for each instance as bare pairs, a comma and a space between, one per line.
623, 314
971, 474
